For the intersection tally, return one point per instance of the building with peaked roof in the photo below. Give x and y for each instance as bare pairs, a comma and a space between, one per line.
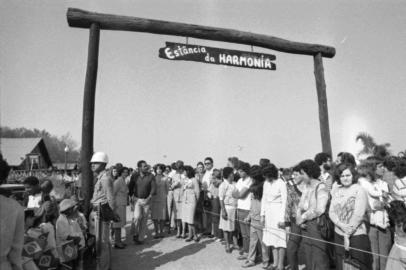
25, 153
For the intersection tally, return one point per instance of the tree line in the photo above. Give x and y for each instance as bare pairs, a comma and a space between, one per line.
55, 144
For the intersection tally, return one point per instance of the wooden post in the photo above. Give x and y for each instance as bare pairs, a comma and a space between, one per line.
322, 100
88, 114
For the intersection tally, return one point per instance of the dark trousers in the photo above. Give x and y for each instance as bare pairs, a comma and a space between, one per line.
293, 246
207, 215
315, 251
245, 229
356, 241
215, 219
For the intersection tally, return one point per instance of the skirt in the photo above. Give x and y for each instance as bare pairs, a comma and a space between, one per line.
273, 235
177, 203
158, 210
121, 211
188, 212
229, 224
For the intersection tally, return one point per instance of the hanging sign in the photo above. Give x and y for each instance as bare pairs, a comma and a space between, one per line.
217, 56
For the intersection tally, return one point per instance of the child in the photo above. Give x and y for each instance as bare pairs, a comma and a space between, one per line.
397, 255
49, 202
213, 195
67, 228
228, 205
254, 218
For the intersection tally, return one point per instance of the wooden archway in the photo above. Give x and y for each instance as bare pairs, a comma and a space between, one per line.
98, 21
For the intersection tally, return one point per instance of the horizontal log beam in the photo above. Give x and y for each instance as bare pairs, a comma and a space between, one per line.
84, 19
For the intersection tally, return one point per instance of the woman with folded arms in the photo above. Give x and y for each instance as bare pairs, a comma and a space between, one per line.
349, 204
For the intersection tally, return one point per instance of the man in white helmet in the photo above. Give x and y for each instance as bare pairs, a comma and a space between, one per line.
102, 194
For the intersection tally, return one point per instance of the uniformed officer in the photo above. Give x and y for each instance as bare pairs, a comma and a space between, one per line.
103, 193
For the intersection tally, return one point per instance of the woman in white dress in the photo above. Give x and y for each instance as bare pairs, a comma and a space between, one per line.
273, 206
191, 192
177, 187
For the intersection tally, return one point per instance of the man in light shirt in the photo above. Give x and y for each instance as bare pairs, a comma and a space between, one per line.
102, 194
33, 192
208, 164
243, 207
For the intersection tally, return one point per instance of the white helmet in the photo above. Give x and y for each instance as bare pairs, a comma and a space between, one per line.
99, 157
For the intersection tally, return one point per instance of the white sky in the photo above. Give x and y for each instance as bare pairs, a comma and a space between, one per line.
147, 107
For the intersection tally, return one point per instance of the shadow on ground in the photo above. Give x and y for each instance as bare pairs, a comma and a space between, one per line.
149, 260
146, 258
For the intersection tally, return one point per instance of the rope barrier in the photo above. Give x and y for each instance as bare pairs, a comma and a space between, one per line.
303, 236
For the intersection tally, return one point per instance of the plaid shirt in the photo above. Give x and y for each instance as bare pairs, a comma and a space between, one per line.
292, 203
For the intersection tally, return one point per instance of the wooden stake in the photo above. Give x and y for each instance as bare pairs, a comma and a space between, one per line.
88, 114
322, 100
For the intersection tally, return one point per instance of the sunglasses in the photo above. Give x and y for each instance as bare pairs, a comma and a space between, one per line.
207, 163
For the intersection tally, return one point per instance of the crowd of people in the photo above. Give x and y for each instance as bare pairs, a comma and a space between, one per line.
339, 214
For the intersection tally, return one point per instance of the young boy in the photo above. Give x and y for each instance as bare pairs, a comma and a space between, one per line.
228, 205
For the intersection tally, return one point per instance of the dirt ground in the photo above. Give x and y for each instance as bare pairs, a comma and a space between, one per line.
172, 253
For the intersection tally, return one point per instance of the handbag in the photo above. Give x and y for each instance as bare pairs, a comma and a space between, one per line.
324, 224
107, 214
206, 202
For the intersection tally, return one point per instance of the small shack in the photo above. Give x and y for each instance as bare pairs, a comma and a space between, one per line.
25, 153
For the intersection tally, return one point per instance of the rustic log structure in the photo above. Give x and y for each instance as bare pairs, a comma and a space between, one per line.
98, 21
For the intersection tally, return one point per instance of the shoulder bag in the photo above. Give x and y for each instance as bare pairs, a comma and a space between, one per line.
324, 224
107, 214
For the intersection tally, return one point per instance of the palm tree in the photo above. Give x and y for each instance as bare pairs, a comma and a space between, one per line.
402, 154
370, 147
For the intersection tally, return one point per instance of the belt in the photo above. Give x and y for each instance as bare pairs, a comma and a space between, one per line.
379, 228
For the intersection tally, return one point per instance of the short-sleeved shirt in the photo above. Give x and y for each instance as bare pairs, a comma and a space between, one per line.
244, 204
103, 190
144, 185
226, 193
34, 201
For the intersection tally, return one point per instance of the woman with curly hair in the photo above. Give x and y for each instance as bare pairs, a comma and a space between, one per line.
158, 206
312, 205
349, 205
397, 214
273, 210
